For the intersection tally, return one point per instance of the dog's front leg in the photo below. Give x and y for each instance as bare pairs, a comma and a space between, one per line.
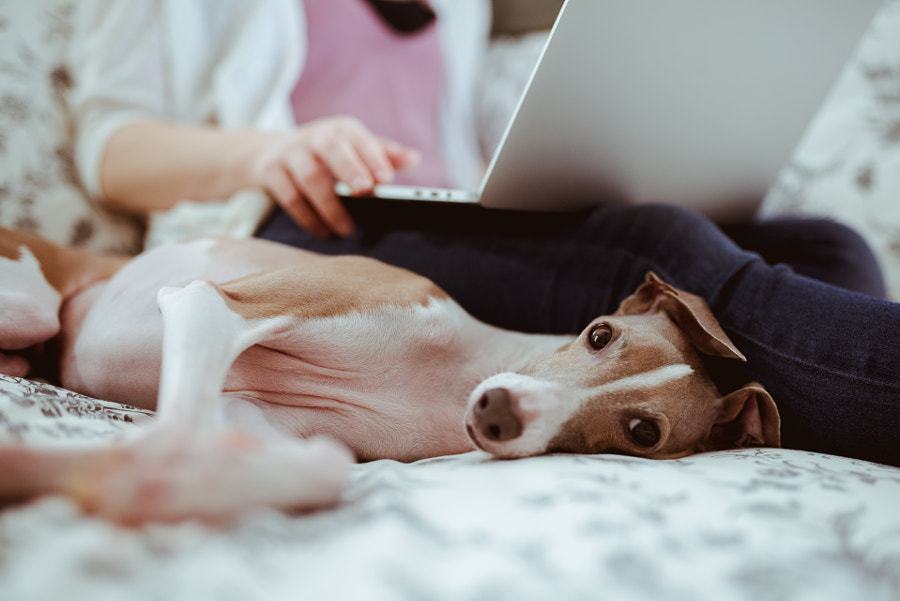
190, 463
202, 337
195, 463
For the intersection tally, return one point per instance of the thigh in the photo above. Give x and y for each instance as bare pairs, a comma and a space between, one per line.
536, 272
815, 247
545, 272
513, 270
553, 272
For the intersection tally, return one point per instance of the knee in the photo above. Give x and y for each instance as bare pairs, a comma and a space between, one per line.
651, 223
856, 261
683, 247
839, 255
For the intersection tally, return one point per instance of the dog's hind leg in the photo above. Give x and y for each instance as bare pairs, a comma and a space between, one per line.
36, 276
29, 307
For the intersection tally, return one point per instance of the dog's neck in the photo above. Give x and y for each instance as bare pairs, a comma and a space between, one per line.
519, 352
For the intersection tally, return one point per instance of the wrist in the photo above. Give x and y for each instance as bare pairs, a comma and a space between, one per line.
241, 165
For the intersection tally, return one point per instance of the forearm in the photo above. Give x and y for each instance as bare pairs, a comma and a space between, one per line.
150, 166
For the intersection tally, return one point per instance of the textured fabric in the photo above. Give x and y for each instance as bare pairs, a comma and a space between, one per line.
224, 61
737, 525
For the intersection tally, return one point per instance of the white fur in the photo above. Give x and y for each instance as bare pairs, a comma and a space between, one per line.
202, 337
29, 305
650, 379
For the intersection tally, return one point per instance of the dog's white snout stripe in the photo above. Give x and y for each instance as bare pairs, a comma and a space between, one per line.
649, 379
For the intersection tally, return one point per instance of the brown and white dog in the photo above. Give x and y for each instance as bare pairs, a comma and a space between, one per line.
270, 367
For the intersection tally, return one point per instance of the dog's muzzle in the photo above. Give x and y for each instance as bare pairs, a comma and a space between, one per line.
495, 416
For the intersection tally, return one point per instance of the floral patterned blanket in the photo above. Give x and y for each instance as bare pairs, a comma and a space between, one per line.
762, 524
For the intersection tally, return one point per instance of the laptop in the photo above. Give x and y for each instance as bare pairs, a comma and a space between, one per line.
697, 103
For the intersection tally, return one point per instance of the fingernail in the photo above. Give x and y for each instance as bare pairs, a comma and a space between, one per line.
384, 176
360, 184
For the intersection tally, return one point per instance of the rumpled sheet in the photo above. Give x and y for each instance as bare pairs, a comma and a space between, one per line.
761, 524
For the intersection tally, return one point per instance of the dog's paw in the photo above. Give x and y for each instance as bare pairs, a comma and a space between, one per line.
212, 478
14, 365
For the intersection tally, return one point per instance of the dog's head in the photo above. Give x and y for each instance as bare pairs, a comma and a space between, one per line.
632, 382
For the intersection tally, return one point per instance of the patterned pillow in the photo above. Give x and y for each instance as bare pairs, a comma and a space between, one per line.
507, 67
39, 188
848, 164
39, 414
751, 524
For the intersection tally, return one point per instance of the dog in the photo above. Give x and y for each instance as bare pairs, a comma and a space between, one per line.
272, 368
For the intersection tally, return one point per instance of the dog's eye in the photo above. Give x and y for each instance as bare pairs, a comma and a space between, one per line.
644, 433
600, 336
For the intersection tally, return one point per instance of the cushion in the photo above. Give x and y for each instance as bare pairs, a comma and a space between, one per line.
847, 166
39, 187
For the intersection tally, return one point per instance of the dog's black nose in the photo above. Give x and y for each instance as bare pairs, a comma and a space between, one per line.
495, 416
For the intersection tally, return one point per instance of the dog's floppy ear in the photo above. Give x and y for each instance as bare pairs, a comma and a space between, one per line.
747, 417
689, 311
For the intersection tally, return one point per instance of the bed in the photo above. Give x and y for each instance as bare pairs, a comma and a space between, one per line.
761, 524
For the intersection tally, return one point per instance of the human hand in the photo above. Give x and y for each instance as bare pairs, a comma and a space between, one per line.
300, 168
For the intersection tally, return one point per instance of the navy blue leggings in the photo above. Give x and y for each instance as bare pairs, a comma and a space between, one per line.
823, 343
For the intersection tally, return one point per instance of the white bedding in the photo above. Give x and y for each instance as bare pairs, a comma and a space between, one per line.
760, 525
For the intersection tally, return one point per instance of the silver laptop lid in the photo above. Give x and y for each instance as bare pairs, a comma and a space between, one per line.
691, 102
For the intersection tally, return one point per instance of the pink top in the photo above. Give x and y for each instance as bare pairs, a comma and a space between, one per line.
358, 65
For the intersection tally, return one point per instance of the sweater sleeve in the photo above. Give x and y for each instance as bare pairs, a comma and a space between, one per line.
117, 60
225, 62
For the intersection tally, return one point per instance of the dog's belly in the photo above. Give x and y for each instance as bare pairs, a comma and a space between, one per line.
389, 384
111, 337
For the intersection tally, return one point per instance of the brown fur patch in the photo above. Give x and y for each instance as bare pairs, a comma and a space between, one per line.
68, 270
328, 286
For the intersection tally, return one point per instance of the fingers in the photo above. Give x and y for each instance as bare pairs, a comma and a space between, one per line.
348, 153
368, 163
304, 188
281, 187
315, 184
301, 169
400, 156
353, 154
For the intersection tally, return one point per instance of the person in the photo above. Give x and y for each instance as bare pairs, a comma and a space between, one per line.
176, 103
140, 67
